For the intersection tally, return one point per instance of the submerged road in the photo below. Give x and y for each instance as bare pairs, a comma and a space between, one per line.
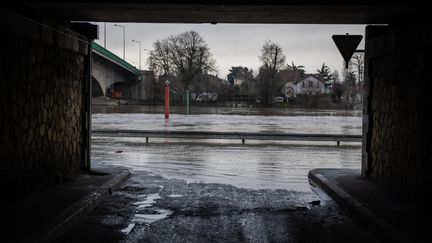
221, 192
151, 208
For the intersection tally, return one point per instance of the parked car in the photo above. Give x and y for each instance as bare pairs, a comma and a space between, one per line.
278, 99
206, 96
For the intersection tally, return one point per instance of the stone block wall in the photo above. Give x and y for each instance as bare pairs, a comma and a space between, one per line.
42, 73
399, 71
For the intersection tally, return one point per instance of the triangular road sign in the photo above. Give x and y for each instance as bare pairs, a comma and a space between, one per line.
347, 44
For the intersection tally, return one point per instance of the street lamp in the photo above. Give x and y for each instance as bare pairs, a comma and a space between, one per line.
147, 50
121, 26
105, 35
139, 42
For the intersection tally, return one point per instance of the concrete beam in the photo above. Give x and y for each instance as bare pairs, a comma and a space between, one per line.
300, 12
88, 30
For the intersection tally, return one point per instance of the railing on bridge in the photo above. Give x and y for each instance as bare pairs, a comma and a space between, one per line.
228, 135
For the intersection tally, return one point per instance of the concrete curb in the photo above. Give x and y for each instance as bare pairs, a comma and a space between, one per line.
355, 208
80, 208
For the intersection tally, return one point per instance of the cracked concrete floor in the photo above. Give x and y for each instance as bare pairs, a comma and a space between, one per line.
150, 208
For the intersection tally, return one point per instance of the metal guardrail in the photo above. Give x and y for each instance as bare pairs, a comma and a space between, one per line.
243, 136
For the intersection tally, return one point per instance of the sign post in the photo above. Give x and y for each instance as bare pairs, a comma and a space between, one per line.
347, 45
167, 98
187, 102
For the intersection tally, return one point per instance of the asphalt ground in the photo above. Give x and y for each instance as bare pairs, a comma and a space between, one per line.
151, 208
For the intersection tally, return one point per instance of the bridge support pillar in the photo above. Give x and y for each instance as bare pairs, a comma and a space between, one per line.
44, 113
397, 118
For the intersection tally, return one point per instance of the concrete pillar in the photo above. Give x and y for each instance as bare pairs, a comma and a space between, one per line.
398, 114
91, 32
371, 33
44, 121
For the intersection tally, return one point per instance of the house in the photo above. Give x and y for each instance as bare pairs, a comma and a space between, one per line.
308, 85
238, 81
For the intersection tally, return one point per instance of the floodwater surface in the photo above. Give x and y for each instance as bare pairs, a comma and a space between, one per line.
255, 165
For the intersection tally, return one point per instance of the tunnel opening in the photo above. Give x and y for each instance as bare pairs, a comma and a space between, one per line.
231, 100
45, 143
282, 14
96, 88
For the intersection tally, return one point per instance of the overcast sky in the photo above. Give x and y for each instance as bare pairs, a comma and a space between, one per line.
238, 44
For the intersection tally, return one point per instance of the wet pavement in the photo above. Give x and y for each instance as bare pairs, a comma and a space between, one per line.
45, 214
255, 166
219, 191
151, 208
389, 213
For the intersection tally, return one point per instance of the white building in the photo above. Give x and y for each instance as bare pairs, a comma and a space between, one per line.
238, 81
308, 85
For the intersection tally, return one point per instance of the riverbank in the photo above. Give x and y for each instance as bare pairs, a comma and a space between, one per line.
242, 110
323, 104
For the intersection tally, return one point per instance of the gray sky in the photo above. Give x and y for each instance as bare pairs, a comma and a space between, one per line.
238, 44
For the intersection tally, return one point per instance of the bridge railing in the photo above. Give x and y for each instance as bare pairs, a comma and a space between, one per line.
243, 136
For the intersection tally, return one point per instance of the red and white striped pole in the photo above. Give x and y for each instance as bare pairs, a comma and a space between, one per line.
167, 96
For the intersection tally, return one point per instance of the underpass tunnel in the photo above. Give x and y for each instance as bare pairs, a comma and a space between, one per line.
46, 70
97, 90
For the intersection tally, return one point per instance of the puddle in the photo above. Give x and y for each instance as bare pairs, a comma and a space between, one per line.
128, 229
175, 195
149, 201
153, 214
150, 218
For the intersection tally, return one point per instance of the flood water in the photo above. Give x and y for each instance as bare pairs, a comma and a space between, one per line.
255, 165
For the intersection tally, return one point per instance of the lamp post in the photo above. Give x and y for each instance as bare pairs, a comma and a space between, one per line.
121, 26
139, 42
105, 35
147, 50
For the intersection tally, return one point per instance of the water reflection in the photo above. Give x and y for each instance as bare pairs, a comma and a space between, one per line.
258, 165
231, 123
268, 166
198, 110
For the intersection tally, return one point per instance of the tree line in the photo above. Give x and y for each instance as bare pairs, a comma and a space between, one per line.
186, 60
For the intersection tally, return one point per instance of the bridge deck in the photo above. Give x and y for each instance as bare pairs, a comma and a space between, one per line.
228, 135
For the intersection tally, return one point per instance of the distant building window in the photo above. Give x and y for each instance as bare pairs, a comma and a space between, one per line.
303, 84
310, 84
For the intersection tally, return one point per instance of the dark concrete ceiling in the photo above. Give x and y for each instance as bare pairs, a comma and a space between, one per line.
307, 11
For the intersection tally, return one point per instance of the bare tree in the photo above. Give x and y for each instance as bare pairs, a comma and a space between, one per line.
273, 61
160, 58
350, 78
186, 55
336, 78
272, 56
357, 64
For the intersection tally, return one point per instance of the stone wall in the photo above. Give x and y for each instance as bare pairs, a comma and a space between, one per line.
399, 62
42, 73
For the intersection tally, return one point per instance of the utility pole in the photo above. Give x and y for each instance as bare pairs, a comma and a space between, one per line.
139, 42
105, 35
124, 43
147, 50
